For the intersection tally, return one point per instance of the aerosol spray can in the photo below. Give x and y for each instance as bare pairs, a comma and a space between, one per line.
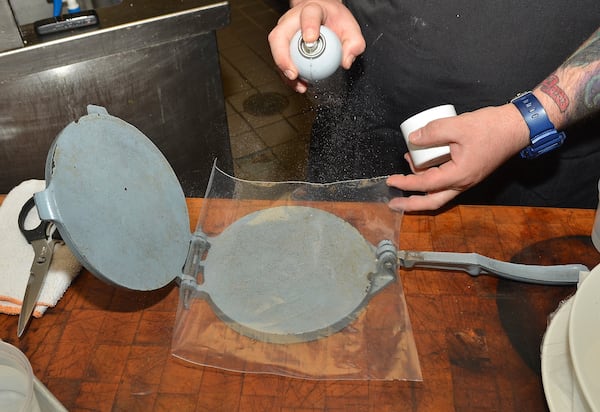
318, 60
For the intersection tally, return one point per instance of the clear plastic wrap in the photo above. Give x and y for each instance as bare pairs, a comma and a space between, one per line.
296, 279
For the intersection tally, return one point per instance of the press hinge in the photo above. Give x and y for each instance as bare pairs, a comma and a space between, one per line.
193, 267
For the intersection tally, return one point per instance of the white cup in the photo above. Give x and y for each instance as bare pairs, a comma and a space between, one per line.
16, 381
424, 157
596, 228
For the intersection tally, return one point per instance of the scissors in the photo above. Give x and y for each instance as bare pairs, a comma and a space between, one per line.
42, 238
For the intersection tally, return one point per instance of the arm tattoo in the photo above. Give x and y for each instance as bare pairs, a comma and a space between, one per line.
551, 88
584, 96
590, 94
587, 54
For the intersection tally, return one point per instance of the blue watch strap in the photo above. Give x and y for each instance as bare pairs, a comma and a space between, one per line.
542, 133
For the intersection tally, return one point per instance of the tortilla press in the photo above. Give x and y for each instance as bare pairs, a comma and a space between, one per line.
120, 209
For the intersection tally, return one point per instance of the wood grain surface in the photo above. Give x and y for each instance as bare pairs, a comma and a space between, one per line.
108, 349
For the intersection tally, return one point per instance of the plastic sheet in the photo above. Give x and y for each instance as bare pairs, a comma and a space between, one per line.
280, 280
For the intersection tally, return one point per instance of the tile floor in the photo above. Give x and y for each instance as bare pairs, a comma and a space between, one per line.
269, 123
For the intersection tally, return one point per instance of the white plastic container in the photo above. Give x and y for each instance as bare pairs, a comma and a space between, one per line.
16, 381
425, 157
596, 228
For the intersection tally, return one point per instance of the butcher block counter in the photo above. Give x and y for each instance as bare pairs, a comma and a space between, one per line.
104, 348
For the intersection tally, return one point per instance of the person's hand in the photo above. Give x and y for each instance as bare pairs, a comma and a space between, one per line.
480, 141
309, 15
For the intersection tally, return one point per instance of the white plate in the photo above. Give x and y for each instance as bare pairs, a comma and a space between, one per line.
584, 338
560, 386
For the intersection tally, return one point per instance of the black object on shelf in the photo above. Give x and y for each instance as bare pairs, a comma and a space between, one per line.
66, 22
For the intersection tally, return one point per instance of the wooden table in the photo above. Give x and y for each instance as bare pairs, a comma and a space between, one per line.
107, 349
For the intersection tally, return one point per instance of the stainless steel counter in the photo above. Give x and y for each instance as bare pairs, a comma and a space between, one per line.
10, 37
152, 63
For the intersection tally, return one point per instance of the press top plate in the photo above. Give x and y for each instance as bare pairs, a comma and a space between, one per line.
116, 202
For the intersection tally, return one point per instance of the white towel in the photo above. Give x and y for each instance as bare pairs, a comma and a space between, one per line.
16, 256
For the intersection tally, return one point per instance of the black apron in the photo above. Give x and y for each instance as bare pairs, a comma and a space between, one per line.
471, 54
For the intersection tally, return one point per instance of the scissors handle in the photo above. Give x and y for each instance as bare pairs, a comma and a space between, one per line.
38, 232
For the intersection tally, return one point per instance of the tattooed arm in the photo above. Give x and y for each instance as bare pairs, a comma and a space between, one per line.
482, 140
573, 90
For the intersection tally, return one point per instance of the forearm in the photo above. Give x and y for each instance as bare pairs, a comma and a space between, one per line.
296, 2
572, 92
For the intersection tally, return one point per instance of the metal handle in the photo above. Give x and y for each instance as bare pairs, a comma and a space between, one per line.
475, 264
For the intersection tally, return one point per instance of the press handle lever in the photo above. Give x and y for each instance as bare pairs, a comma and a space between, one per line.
475, 264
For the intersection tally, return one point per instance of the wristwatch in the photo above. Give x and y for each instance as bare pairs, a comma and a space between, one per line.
543, 135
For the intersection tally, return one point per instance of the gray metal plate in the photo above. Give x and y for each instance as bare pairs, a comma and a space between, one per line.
116, 202
289, 273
